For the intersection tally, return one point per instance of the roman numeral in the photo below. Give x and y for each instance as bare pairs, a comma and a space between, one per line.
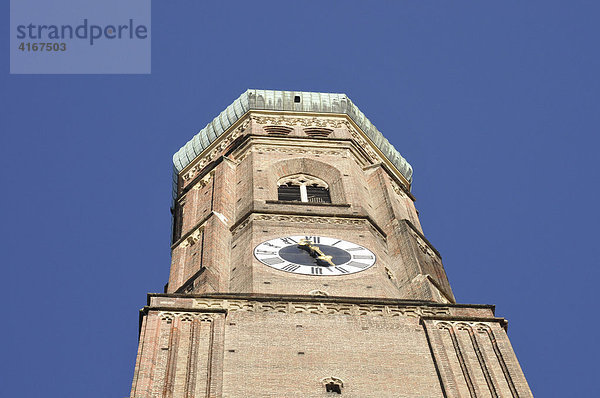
290, 267
272, 260
353, 249
361, 257
357, 264
333, 244
271, 245
288, 241
313, 239
316, 270
342, 270
265, 252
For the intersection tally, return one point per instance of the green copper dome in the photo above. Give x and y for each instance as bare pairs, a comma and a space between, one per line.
284, 101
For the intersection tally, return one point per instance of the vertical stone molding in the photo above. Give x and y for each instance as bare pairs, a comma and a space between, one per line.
469, 361
185, 360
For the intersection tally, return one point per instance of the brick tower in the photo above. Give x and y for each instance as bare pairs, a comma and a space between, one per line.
300, 269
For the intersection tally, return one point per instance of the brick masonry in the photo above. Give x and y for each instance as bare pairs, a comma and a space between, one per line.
229, 326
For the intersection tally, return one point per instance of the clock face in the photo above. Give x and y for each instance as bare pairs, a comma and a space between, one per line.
314, 255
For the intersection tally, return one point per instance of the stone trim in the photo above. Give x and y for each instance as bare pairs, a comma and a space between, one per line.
322, 308
297, 218
286, 202
459, 360
334, 299
420, 235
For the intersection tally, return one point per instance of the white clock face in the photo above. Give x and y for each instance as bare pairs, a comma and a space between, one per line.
314, 255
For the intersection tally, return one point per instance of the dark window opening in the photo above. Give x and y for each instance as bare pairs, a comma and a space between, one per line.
297, 99
289, 192
303, 188
177, 221
333, 387
318, 194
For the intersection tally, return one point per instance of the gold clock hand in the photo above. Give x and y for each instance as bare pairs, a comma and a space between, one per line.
315, 251
326, 259
304, 243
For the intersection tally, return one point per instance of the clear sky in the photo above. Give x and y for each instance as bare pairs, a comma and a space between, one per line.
495, 104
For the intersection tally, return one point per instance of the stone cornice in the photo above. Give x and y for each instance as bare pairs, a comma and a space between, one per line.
318, 299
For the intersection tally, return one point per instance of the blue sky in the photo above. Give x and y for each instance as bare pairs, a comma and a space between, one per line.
495, 104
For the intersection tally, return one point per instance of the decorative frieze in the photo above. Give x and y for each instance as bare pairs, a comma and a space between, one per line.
363, 143
309, 220
321, 122
289, 150
169, 316
204, 181
399, 191
216, 151
298, 150
193, 237
281, 120
323, 308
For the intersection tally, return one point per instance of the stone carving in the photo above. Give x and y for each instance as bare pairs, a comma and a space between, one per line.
320, 308
166, 316
302, 150
288, 150
241, 226
424, 247
320, 293
193, 237
363, 143
308, 220
333, 384
216, 151
241, 156
302, 179
273, 307
389, 273
399, 191
184, 317
204, 181
187, 317
300, 121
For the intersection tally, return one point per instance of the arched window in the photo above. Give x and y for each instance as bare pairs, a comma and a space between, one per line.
303, 188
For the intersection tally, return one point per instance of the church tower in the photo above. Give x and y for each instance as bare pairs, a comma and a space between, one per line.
300, 269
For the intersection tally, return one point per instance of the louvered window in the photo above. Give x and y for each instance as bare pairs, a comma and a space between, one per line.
303, 188
289, 192
318, 194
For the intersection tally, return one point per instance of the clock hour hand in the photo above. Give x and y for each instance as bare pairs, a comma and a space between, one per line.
326, 259
315, 252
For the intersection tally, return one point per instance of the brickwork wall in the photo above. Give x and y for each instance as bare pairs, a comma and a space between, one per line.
284, 347
237, 186
233, 327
